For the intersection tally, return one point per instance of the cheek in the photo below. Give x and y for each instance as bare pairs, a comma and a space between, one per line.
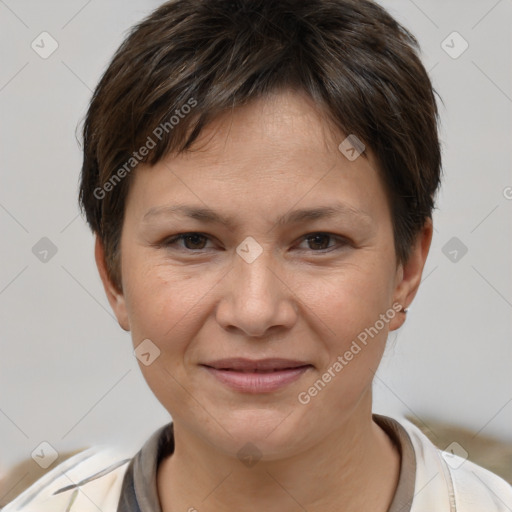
167, 312
353, 337
354, 308
349, 299
156, 305
165, 304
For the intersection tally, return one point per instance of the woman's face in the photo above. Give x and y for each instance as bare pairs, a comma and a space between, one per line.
262, 286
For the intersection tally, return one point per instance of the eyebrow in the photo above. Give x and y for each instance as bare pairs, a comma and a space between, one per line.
208, 215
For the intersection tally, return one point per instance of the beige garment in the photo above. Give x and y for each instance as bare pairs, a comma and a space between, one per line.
95, 480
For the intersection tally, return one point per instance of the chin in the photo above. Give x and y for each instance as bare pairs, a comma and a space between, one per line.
266, 432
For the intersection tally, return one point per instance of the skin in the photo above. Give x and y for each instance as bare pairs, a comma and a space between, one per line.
198, 301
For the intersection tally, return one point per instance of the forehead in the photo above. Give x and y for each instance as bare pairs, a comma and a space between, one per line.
274, 128
278, 150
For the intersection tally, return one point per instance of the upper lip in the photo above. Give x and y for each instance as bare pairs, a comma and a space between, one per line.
240, 363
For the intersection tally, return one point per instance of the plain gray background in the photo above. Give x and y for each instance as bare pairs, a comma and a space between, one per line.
68, 375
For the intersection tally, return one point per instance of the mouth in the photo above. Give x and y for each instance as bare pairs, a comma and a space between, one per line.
240, 364
256, 376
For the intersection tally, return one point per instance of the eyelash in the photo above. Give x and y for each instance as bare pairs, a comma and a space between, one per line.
169, 242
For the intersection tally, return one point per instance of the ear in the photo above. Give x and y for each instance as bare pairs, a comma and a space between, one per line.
408, 276
114, 296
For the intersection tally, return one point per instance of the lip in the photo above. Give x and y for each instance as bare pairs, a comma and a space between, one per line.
256, 376
244, 364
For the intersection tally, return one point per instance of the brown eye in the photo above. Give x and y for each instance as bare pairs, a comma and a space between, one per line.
318, 242
192, 241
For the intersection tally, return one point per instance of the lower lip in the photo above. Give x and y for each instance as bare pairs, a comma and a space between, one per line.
258, 382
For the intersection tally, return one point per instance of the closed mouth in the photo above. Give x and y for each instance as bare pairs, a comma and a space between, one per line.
257, 370
246, 365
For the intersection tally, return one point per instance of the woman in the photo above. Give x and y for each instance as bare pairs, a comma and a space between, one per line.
260, 177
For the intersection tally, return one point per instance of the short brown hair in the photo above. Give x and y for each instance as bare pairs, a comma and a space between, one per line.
350, 56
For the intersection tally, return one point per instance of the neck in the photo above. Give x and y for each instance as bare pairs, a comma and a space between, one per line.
355, 467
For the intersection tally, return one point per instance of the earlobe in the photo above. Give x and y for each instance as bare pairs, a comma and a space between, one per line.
115, 297
409, 274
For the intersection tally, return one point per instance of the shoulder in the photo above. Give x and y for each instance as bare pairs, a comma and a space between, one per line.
474, 484
89, 480
451, 482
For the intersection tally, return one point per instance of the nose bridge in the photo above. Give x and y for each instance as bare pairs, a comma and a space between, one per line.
255, 270
256, 298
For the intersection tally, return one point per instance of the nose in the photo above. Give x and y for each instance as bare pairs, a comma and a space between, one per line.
257, 297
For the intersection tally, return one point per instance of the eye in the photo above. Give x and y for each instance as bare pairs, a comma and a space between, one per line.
192, 241
318, 242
